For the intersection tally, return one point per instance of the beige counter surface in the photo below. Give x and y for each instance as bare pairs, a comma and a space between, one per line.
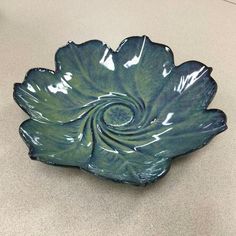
197, 196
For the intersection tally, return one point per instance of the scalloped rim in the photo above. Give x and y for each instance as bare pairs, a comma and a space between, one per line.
224, 117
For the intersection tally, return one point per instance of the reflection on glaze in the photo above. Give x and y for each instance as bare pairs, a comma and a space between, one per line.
190, 79
135, 60
107, 61
156, 138
59, 87
68, 76
167, 120
120, 114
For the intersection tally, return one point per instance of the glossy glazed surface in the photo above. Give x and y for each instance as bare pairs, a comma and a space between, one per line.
120, 114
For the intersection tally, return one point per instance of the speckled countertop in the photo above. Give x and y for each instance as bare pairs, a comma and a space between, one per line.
197, 197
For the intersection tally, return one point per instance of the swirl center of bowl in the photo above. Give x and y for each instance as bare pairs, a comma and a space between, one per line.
118, 115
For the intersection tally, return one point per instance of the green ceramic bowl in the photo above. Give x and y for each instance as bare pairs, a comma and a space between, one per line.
122, 114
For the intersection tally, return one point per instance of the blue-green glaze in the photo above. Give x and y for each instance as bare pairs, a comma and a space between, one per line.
122, 114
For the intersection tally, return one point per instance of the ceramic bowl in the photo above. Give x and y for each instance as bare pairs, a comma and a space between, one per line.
122, 114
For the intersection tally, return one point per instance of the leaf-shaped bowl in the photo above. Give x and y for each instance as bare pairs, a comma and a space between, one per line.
122, 114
